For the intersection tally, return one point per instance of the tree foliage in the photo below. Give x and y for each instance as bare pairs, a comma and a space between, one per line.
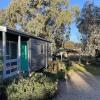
43, 18
69, 45
88, 24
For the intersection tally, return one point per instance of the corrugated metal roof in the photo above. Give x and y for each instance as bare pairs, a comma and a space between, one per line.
17, 32
25, 34
67, 50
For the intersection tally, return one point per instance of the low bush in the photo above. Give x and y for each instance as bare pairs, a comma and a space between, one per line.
59, 68
56, 66
53, 66
36, 87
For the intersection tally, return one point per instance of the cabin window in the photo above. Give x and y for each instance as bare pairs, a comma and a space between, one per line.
11, 50
42, 49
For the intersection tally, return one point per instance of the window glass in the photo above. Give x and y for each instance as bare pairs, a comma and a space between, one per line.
11, 50
7, 50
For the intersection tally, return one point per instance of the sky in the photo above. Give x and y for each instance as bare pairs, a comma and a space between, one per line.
4, 3
75, 35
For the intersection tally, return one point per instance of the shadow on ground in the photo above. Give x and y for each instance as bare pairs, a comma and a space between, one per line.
81, 86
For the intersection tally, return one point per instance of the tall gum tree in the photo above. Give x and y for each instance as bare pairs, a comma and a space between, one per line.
44, 18
88, 24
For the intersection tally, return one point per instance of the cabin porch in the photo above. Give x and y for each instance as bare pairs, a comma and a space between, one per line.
13, 54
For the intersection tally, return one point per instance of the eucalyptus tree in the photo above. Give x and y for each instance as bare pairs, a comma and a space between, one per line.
44, 18
88, 24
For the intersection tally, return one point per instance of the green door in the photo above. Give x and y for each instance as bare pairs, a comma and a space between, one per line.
24, 57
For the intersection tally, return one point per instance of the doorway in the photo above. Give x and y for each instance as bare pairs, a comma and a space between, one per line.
24, 57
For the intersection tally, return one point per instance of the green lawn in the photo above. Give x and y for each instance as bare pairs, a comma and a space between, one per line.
84, 68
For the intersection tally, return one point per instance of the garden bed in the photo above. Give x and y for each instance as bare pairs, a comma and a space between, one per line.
39, 86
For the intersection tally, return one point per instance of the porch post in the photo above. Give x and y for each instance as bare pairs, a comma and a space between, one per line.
4, 52
61, 56
19, 52
28, 43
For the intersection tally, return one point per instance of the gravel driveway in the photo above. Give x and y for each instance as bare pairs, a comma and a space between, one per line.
81, 86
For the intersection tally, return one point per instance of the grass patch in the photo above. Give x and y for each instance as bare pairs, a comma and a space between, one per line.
85, 68
93, 70
77, 67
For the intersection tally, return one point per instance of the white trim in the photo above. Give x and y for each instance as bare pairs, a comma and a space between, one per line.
28, 49
11, 67
4, 53
19, 52
11, 60
30, 54
3, 29
11, 74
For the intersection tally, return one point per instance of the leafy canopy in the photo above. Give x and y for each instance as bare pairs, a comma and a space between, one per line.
88, 24
45, 18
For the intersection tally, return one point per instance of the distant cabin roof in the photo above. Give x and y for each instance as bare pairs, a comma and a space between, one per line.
66, 50
26, 34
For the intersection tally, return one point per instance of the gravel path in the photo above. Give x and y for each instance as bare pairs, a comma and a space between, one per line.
79, 87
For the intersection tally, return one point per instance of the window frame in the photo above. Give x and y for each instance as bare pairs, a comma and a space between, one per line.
42, 49
9, 55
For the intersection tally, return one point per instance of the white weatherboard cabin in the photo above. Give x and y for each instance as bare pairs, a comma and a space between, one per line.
21, 52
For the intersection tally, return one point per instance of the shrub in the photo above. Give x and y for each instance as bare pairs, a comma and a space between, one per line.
56, 66
23, 89
36, 87
53, 66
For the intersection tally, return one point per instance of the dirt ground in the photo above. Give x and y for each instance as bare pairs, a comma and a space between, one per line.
81, 86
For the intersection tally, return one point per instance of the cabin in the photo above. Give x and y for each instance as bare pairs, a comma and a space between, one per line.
21, 52
64, 53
